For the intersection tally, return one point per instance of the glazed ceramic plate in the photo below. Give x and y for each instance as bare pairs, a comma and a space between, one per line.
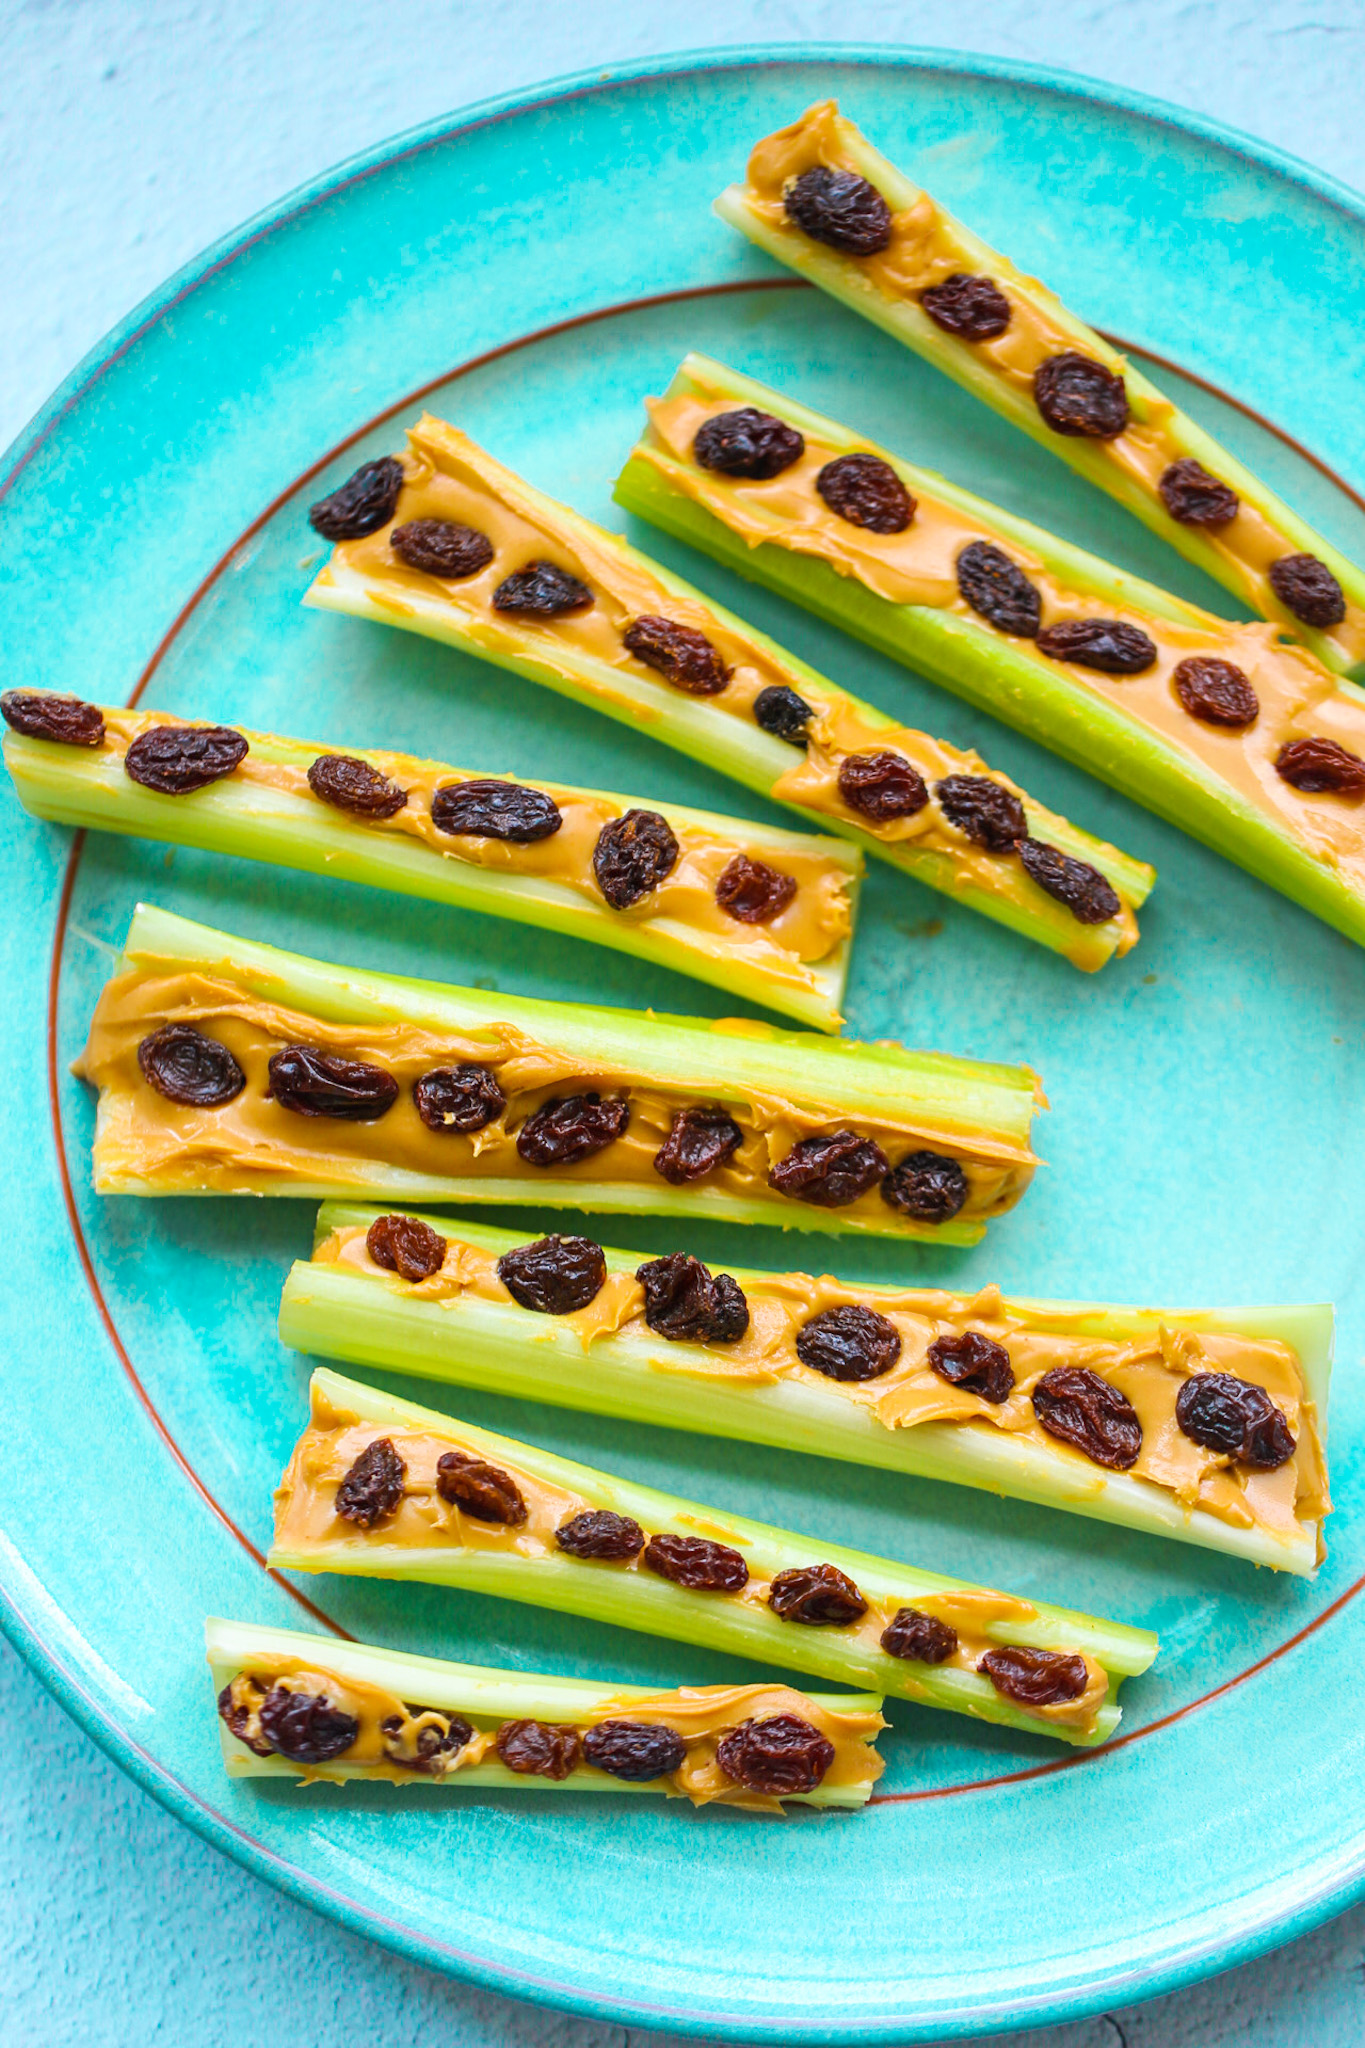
532, 270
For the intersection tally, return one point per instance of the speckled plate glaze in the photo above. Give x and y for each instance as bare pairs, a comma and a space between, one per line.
534, 268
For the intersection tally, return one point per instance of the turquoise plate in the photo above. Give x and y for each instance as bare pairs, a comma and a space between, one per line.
533, 269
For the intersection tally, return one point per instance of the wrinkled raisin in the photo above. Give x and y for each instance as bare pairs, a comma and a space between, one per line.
351, 785
783, 713
976, 1363
597, 1532
637, 1751
373, 1487
848, 1343
70, 721
542, 591
998, 590
918, 1637
177, 759
1194, 497
1218, 692
1233, 1416
749, 443
1090, 896
817, 1595
1079, 1408
442, 547
780, 1755
1307, 587
572, 1127
306, 1726
445, 1735
238, 1714
1315, 765
188, 1067
633, 854
840, 209
1035, 1678
753, 893
700, 1140
927, 1186
312, 1082
830, 1170
402, 1245
972, 308
684, 1303
882, 786
365, 502
1078, 396
479, 1489
485, 809
680, 654
458, 1099
866, 491
1110, 645
698, 1564
990, 815
538, 1749
555, 1275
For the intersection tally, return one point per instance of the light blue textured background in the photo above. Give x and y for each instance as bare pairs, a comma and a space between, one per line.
131, 133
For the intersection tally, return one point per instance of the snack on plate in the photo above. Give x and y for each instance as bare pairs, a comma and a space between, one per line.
1227, 730
559, 600
384, 1489
226, 1067
819, 198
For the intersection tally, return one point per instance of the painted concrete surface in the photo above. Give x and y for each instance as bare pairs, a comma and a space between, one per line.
132, 133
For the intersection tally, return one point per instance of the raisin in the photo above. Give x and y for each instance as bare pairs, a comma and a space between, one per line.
699, 1141
542, 591
749, 443
927, 1186
188, 1067
1079, 1408
1035, 1678
402, 1245
1090, 896
1110, 645
1218, 692
680, 654
1315, 765
972, 308
783, 713
637, 1751
918, 1637
685, 1304
373, 1487
816, 1595
484, 809
831, 1170
989, 814
780, 1755
442, 547
479, 1489
306, 1726
237, 1715
351, 785
70, 721
848, 1343
1195, 498
312, 1082
365, 502
1080, 397
538, 1749
698, 1564
840, 209
176, 759
865, 490
555, 1275
458, 1099
753, 893
1233, 1416
633, 854
1307, 587
445, 1735
998, 590
597, 1532
976, 1363
572, 1127
882, 786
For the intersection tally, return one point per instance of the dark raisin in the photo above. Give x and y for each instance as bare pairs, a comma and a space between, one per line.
927, 1186
684, 1303
783, 713
1110, 645
351, 785
373, 1487
637, 1751
442, 547
997, 589
479, 1489
1090, 896
817, 1595
882, 786
1218, 692
458, 1099
866, 491
572, 1127
780, 1755
680, 654
918, 1637
976, 1363
633, 854
1307, 587
555, 1275
445, 1736
1035, 1678
484, 809
70, 721
1195, 498
749, 443
840, 209
402, 1245
538, 1749
972, 308
830, 1170
312, 1082
1078, 396
177, 759
699, 1141
1079, 1408
188, 1067
698, 1564
542, 591
1233, 1416
753, 893
1315, 765
306, 1726
365, 502
597, 1532
237, 1716
990, 815
848, 1343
